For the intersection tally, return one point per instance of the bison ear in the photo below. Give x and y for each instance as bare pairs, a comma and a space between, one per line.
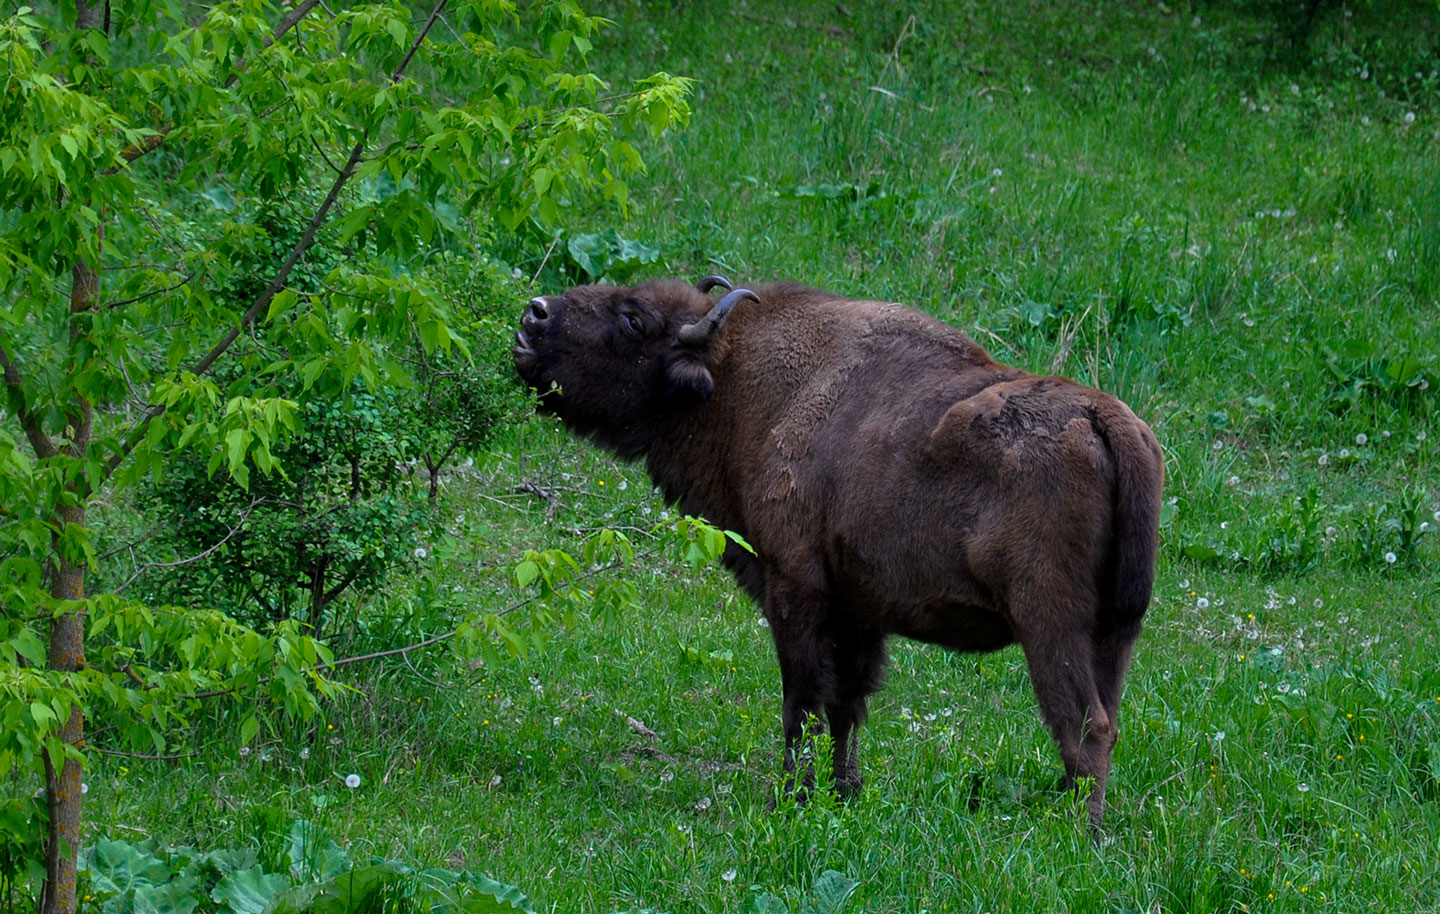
689, 378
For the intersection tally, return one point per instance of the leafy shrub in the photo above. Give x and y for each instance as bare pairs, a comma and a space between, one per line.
318, 876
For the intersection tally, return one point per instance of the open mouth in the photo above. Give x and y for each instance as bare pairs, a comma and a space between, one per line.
522, 344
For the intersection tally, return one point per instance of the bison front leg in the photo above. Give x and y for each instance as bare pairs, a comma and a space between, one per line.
859, 669
807, 674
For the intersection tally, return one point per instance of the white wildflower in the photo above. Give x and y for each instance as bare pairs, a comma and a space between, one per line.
495, 781
420, 552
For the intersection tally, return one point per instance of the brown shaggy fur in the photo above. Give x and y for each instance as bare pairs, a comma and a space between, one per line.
892, 479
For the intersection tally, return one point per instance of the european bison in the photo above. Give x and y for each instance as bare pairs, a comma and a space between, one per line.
890, 476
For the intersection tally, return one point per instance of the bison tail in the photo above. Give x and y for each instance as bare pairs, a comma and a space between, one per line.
1139, 481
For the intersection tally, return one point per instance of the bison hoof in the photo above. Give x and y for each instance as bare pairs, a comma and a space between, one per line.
848, 786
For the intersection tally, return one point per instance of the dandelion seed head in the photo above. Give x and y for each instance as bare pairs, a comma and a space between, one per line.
1323, 460
1202, 603
729, 875
352, 780
1391, 558
1361, 439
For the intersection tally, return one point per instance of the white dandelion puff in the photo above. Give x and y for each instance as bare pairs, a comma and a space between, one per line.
1391, 558
352, 780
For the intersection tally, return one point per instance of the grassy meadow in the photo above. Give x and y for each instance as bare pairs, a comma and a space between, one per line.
1232, 226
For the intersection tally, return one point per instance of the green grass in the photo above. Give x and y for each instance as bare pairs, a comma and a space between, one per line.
1259, 283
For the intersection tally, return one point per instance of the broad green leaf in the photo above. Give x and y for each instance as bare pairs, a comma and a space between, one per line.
525, 573
251, 891
830, 894
314, 857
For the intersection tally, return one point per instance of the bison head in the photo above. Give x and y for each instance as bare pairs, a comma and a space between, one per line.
614, 362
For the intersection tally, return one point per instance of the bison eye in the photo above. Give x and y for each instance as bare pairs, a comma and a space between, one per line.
631, 324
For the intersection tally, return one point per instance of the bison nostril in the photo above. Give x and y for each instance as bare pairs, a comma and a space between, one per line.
538, 309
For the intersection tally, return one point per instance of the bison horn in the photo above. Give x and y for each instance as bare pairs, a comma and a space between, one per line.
710, 282
704, 330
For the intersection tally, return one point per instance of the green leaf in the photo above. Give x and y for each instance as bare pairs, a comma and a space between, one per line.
1200, 552
313, 855
283, 301
830, 894
115, 866
249, 891
248, 729
525, 574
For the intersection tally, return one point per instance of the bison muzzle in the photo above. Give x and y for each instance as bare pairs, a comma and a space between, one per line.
893, 480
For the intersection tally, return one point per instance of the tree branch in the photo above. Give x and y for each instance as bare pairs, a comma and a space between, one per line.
194, 558
301, 246
131, 153
328, 596
15, 390
112, 305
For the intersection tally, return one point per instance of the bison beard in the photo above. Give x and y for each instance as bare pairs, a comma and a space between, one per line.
892, 479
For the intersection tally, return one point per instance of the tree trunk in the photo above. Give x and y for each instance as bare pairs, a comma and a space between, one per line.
63, 787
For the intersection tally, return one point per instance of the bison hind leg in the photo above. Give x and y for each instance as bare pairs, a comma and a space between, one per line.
1078, 700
